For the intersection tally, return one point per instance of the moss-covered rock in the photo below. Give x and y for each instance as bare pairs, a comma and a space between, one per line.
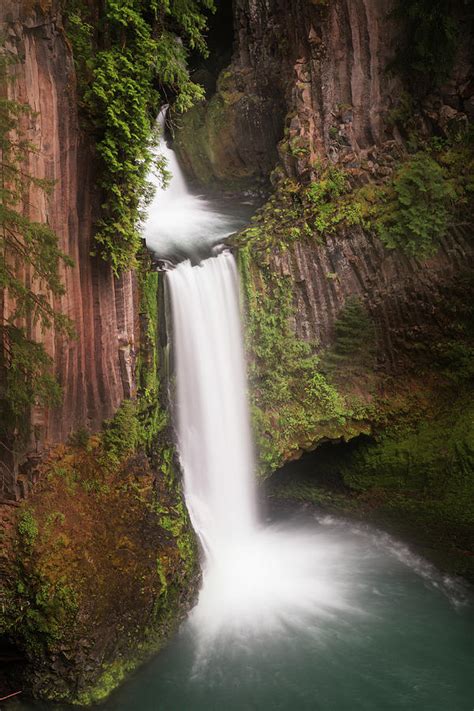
415, 478
103, 567
225, 142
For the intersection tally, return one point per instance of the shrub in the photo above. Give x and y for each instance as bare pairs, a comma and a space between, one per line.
415, 209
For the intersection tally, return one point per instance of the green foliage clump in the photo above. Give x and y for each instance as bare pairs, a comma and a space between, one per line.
31, 602
27, 527
123, 56
429, 39
331, 202
296, 211
416, 207
44, 609
354, 339
32, 247
122, 434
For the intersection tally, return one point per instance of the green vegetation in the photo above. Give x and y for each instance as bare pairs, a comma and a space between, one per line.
122, 434
119, 520
151, 412
295, 211
27, 527
127, 54
415, 209
293, 403
429, 191
25, 366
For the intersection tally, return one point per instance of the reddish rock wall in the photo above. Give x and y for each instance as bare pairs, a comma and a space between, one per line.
96, 370
313, 77
409, 299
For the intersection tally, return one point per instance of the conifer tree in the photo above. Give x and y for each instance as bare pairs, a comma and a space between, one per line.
30, 248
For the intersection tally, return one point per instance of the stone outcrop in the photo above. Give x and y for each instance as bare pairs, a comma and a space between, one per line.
405, 297
95, 369
313, 77
327, 64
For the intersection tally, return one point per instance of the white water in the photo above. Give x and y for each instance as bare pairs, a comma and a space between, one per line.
259, 581
256, 578
212, 419
179, 222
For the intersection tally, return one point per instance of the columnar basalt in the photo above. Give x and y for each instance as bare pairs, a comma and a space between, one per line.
96, 368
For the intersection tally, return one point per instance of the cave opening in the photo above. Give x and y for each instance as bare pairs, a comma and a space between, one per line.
321, 467
12, 666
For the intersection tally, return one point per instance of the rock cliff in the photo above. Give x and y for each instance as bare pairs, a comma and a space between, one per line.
315, 80
95, 369
352, 331
98, 559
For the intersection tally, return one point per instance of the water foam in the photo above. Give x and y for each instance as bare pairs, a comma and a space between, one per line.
179, 222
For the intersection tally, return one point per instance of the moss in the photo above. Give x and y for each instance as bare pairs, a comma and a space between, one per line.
112, 675
122, 434
27, 527
426, 470
294, 405
416, 477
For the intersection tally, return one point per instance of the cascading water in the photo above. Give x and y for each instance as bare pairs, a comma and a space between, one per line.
318, 615
254, 576
213, 426
180, 223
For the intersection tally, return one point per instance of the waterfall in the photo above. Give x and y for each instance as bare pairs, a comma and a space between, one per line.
180, 223
256, 578
213, 426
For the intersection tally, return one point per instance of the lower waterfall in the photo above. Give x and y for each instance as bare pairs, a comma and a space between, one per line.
255, 576
213, 425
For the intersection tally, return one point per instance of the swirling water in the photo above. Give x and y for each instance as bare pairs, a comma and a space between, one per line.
329, 616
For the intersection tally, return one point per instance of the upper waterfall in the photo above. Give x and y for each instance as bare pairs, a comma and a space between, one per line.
181, 223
